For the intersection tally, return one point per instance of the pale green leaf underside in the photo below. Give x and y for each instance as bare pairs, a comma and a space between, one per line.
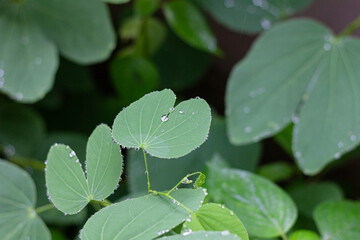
203, 235
187, 21
298, 66
141, 218
81, 29
18, 219
250, 15
215, 217
304, 235
338, 220
67, 185
264, 208
28, 60
149, 123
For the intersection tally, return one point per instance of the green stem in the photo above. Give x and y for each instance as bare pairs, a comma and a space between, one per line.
182, 180
349, 29
147, 172
283, 236
44, 208
173, 199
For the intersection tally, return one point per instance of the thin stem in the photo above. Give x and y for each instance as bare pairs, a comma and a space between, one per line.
182, 180
44, 208
174, 200
147, 172
283, 236
350, 28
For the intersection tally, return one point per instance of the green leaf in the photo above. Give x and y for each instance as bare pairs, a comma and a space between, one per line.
18, 219
173, 57
304, 235
215, 217
203, 235
68, 188
21, 130
151, 123
245, 157
200, 180
116, 1
28, 59
190, 25
307, 197
251, 16
146, 7
82, 29
276, 171
130, 28
338, 220
288, 76
284, 137
133, 76
141, 218
264, 208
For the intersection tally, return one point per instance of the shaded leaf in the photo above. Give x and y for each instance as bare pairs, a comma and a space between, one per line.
153, 124
141, 218
146, 7
276, 171
264, 208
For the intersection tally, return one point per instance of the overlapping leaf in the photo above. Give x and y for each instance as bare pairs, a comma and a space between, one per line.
264, 208
251, 16
151, 123
145, 217
298, 71
67, 185
18, 219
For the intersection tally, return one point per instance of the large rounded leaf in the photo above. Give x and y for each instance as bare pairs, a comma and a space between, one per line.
338, 220
153, 124
264, 208
244, 157
67, 185
141, 218
251, 15
81, 29
28, 60
18, 219
298, 70
190, 25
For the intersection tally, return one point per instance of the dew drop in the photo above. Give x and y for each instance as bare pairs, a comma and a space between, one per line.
38, 60
265, 24
197, 97
229, 3
337, 155
298, 154
340, 144
192, 113
327, 46
295, 119
19, 96
187, 232
225, 233
72, 154
247, 129
162, 130
352, 137
164, 118
9, 151
181, 111
257, 3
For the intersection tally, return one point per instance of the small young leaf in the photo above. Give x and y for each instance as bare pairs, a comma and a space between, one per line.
264, 208
190, 25
18, 218
199, 181
68, 188
215, 217
338, 220
203, 235
304, 235
142, 218
307, 197
153, 124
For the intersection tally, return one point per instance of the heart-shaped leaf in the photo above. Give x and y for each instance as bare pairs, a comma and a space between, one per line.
18, 219
226, 235
67, 185
31, 77
216, 217
309, 80
145, 217
338, 220
251, 16
182, 16
264, 208
151, 123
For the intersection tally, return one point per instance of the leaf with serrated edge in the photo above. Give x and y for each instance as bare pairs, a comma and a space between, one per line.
264, 208
151, 123
18, 219
67, 185
142, 218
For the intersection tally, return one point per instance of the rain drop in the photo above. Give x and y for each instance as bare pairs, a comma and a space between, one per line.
337, 155
72, 154
340, 144
164, 118
225, 233
192, 113
229, 3
265, 24
197, 97
181, 111
327, 46
187, 232
247, 129
352, 137
19, 96
162, 130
